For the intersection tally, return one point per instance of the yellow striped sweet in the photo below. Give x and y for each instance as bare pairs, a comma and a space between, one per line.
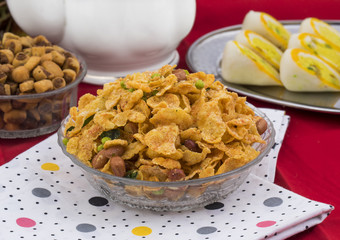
315, 44
261, 46
241, 65
303, 71
322, 29
268, 27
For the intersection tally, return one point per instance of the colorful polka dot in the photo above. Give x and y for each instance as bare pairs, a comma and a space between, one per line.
86, 227
214, 206
264, 224
25, 222
41, 192
273, 202
98, 201
206, 230
50, 167
141, 231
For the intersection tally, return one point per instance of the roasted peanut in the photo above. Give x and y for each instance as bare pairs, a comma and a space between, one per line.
261, 126
103, 156
176, 174
115, 151
99, 160
191, 145
117, 165
180, 74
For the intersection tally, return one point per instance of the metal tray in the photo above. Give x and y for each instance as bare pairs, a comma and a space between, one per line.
205, 55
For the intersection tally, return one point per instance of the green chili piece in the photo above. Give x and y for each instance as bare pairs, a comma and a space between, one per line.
87, 120
154, 92
131, 174
186, 72
145, 96
70, 128
112, 134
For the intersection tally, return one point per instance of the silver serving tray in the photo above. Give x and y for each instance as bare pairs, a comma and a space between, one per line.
205, 55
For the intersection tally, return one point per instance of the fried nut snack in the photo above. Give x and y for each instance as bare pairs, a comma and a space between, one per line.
29, 66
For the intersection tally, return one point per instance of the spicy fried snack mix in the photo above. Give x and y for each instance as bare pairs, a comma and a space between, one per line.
165, 125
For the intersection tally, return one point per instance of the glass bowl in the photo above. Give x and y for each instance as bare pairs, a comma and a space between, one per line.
172, 196
43, 112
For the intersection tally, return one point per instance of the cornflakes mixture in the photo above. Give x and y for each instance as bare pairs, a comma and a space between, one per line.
166, 125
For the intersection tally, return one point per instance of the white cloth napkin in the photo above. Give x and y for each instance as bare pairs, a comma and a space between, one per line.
44, 196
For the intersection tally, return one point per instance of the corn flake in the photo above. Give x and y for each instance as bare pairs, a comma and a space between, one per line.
168, 111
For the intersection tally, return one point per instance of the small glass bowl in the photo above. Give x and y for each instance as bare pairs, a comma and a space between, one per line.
171, 196
52, 107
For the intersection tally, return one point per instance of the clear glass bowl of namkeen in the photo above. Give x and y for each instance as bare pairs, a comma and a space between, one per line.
165, 140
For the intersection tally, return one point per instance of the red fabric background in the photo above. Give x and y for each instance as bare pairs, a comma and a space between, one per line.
309, 160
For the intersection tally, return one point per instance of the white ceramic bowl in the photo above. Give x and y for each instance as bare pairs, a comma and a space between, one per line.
115, 37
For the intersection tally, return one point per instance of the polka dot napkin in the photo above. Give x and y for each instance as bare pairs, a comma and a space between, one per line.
44, 196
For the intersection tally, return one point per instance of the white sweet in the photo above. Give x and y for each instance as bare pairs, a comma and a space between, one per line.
237, 67
261, 46
295, 78
274, 31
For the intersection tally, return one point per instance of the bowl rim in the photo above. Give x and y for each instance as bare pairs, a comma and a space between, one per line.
80, 76
270, 140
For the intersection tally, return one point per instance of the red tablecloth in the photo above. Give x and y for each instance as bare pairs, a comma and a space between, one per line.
309, 160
